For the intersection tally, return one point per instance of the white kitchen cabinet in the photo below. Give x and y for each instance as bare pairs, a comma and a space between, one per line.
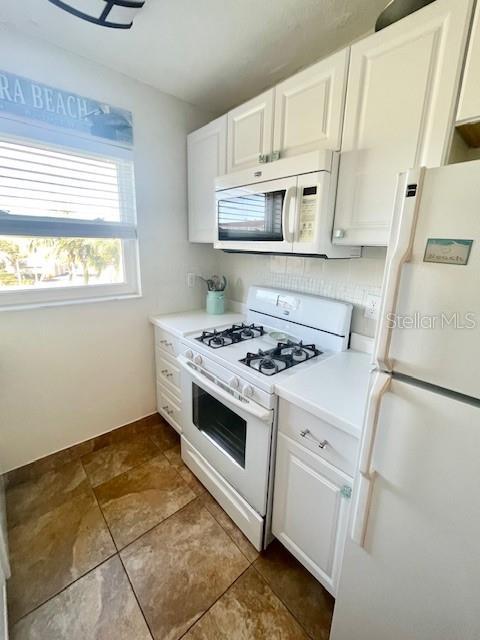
167, 348
250, 132
469, 106
207, 159
309, 108
310, 509
401, 98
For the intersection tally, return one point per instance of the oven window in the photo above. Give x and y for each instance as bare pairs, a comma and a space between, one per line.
253, 216
222, 425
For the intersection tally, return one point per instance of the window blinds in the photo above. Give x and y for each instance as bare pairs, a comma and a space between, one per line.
50, 191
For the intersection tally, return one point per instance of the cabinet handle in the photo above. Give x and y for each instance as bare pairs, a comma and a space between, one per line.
164, 372
307, 434
263, 158
165, 408
169, 374
276, 155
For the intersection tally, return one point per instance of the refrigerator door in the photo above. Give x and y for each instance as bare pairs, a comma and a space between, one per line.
430, 322
416, 576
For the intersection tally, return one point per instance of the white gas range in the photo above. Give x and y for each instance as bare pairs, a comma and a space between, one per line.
228, 378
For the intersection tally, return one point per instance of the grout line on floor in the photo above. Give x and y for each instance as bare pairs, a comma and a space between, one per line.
215, 601
136, 598
250, 562
123, 567
277, 595
55, 595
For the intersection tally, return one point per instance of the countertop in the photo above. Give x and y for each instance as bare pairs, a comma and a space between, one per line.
334, 390
181, 324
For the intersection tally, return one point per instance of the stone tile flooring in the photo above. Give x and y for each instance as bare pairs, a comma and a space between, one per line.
126, 544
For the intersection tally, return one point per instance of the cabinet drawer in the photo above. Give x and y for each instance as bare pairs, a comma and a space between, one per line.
341, 448
168, 372
166, 342
169, 407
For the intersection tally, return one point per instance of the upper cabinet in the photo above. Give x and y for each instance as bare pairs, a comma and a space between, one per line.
250, 132
401, 98
309, 108
302, 114
207, 159
469, 107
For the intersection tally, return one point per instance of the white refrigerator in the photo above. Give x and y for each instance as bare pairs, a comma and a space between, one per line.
411, 568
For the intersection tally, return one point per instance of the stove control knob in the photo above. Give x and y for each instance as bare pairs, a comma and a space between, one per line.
248, 390
234, 382
198, 359
189, 354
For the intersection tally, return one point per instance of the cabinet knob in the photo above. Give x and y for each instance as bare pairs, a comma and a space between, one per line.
346, 491
339, 233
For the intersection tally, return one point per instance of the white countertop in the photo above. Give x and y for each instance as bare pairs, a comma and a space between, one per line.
334, 390
181, 324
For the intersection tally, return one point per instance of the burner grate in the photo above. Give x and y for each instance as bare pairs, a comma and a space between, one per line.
284, 356
236, 333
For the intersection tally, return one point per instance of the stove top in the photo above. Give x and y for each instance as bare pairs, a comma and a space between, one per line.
234, 334
284, 356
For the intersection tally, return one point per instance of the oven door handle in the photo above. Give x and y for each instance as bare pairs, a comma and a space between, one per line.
253, 408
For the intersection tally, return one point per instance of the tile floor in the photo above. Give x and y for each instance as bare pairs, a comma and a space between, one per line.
126, 544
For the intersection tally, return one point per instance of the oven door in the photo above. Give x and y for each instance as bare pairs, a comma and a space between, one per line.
233, 434
257, 217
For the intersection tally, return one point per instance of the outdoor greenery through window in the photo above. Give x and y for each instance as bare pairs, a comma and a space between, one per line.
67, 221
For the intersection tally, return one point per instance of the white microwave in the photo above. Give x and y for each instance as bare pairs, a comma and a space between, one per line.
284, 207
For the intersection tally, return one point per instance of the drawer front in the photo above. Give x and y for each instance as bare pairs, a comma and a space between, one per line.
167, 342
169, 407
168, 372
340, 448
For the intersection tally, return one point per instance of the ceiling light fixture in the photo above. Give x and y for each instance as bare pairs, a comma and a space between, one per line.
116, 14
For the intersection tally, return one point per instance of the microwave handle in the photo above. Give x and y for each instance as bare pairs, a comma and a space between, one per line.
286, 218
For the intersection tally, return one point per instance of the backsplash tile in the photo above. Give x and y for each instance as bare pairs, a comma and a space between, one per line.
348, 280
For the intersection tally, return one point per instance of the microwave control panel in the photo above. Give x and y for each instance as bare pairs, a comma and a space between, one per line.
308, 214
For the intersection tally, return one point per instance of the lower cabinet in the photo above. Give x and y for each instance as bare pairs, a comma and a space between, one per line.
310, 509
168, 378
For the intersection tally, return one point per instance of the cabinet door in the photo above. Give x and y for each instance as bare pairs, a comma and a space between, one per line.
309, 108
207, 159
469, 107
310, 511
250, 130
401, 96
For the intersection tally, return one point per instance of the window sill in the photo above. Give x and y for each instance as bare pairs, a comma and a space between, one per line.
29, 306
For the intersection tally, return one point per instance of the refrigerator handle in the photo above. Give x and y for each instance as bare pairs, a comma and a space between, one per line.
400, 249
366, 477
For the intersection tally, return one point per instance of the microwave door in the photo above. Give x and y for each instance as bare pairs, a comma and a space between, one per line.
257, 217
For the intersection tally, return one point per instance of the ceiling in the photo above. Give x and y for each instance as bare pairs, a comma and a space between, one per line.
212, 53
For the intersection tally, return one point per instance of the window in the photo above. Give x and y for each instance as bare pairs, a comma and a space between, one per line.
67, 224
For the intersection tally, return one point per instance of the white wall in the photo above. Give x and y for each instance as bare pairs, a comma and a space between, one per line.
349, 280
70, 373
